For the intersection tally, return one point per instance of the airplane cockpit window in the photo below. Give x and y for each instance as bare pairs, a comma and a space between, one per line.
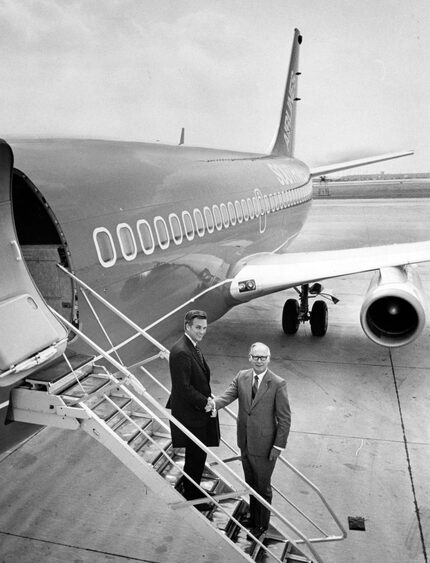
145, 236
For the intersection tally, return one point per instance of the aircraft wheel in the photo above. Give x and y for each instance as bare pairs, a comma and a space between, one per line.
319, 318
290, 316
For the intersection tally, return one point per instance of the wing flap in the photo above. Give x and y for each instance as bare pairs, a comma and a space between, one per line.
269, 273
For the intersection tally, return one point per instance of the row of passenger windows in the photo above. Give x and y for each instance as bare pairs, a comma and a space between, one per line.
177, 229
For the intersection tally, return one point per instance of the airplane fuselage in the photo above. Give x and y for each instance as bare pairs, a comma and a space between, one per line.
151, 226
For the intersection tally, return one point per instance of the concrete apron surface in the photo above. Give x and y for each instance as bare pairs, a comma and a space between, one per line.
360, 431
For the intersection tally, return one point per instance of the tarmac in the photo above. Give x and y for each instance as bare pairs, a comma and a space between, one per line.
360, 430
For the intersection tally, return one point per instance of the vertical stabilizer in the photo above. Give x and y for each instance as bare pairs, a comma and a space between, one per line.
284, 141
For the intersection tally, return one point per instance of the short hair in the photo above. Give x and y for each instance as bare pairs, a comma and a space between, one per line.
258, 344
193, 314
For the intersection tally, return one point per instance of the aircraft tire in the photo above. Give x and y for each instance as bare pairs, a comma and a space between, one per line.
290, 316
319, 318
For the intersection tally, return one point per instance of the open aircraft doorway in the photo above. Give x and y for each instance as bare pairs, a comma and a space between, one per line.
30, 281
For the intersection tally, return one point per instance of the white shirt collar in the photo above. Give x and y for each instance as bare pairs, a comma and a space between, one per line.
189, 338
259, 375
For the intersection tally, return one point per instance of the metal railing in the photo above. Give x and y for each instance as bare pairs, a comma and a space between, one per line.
163, 353
326, 537
131, 380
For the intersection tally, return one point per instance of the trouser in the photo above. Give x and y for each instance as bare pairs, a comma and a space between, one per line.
258, 472
195, 459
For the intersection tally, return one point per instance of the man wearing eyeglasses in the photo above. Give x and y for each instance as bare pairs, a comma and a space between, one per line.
263, 424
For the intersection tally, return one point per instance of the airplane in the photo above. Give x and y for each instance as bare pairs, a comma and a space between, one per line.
158, 229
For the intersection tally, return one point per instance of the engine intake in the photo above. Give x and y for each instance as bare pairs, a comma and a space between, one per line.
393, 311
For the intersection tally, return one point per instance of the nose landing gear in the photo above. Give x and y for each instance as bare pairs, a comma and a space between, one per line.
295, 313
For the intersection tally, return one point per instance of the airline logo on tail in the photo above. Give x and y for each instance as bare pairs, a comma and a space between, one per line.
288, 116
284, 141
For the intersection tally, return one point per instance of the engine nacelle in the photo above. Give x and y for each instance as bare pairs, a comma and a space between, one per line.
393, 312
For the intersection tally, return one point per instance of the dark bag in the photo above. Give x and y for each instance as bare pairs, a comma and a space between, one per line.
214, 433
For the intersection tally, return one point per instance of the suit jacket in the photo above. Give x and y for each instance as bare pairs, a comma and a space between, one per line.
264, 423
190, 390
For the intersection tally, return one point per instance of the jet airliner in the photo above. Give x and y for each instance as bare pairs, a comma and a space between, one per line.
156, 229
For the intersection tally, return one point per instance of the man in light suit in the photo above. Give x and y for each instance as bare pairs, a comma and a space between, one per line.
191, 393
263, 424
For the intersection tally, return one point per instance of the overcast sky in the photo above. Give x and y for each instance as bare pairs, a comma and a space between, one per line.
142, 69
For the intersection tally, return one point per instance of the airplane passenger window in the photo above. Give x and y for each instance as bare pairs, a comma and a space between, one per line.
209, 219
225, 217
244, 209
279, 198
105, 247
161, 232
198, 219
272, 202
250, 207
188, 225
232, 213
239, 212
217, 217
176, 229
257, 206
285, 198
127, 241
145, 236
267, 204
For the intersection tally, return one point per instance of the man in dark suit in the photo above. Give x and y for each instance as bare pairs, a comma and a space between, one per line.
263, 425
191, 393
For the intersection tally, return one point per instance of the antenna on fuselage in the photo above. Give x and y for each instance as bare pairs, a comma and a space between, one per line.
182, 139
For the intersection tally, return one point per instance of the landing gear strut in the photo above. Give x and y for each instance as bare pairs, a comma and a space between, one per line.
295, 313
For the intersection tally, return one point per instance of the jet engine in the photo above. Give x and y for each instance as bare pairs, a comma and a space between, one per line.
393, 311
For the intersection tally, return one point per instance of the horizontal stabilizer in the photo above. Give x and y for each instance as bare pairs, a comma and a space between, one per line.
328, 168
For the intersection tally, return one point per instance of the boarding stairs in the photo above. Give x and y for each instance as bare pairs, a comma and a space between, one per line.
100, 396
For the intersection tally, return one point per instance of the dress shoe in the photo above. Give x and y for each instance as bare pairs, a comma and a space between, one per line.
257, 532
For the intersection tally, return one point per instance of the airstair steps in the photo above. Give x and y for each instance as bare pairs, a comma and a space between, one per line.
91, 391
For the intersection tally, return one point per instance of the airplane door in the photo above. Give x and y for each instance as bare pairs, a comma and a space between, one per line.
27, 326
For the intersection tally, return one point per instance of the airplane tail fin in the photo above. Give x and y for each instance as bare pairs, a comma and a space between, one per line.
284, 141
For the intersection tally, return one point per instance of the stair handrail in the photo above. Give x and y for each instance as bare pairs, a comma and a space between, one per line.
135, 383
121, 315
312, 485
164, 353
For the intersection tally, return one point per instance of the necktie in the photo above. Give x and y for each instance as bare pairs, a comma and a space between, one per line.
254, 387
199, 354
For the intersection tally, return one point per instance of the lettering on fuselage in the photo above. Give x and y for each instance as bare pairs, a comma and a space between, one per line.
288, 116
148, 235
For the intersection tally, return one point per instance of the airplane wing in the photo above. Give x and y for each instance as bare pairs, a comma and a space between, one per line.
275, 272
392, 312
327, 169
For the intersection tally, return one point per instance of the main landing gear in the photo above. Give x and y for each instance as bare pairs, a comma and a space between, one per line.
295, 313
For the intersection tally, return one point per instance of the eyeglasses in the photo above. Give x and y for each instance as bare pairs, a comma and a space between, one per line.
259, 358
